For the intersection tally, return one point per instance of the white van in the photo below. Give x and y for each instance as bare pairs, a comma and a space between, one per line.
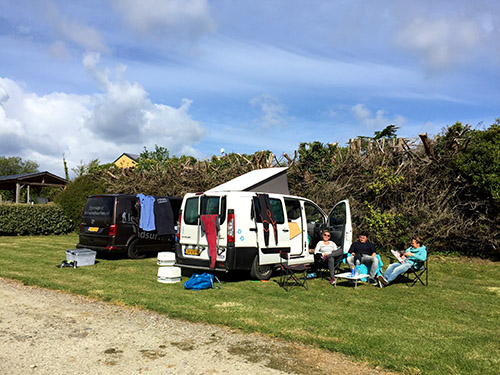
241, 242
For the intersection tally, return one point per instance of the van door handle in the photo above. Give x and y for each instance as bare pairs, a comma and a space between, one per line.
285, 230
253, 229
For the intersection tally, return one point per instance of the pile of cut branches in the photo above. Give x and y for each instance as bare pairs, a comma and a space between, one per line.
397, 187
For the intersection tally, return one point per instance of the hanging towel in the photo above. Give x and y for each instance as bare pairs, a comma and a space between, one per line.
147, 217
210, 225
267, 217
164, 216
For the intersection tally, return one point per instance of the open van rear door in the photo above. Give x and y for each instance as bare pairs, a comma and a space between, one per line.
340, 225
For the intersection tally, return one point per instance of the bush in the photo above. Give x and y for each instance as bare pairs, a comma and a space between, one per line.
480, 161
73, 198
23, 219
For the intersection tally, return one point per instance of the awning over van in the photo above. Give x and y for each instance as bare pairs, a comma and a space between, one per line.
267, 180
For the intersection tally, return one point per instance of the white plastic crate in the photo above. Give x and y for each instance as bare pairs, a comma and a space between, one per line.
82, 257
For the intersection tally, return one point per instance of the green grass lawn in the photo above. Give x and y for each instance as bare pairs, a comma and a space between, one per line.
451, 326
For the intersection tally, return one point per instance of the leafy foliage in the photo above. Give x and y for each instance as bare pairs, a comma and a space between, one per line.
480, 161
16, 165
22, 219
73, 198
84, 169
388, 132
149, 160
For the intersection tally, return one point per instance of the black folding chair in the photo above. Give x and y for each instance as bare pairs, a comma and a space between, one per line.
322, 268
292, 275
417, 272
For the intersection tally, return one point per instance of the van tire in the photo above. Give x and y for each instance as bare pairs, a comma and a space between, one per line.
258, 272
133, 251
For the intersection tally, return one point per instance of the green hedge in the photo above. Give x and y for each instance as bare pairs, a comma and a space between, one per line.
24, 219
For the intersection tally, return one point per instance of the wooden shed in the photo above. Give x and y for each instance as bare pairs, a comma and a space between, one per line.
30, 180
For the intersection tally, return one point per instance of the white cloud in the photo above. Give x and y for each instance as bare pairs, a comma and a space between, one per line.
378, 121
86, 127
186, 18
440, 43
273, 111
58, 50
124, 113
76, 32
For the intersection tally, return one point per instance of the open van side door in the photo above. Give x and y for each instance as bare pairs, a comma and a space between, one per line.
339, 224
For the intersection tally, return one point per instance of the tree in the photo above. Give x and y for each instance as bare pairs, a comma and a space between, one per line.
15, 165
84, 169
149, 160
388, 132
160, 154
480, 161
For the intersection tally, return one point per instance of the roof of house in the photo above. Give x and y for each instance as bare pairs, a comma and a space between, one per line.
134, 157
37, 178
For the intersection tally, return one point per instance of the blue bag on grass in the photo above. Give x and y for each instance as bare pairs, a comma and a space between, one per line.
201, 281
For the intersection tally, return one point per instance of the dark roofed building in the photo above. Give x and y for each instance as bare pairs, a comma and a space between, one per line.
36, 180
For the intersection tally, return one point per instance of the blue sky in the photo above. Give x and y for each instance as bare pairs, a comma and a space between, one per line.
92, 79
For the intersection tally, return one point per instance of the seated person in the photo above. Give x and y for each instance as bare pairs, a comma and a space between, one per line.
416, 252
328, 251
365, 252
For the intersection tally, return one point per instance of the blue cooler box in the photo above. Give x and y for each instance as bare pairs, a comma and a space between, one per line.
83, 257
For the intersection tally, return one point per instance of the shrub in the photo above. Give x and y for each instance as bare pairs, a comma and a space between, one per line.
23, 219
73, 198
480, 161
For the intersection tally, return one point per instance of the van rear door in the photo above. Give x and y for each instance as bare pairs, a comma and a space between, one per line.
269, 254
98, 215
340, 225
195, 241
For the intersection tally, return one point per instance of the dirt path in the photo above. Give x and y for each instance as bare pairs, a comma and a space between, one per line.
49, 332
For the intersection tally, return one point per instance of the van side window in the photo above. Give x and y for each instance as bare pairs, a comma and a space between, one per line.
313, 214
191, 211
337, 216
315, 222
277, 208
292, 209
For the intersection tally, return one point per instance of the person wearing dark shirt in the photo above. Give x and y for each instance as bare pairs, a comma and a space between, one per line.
367, 255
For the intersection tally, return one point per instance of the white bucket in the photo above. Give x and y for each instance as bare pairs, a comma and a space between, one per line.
169, 274
166, 258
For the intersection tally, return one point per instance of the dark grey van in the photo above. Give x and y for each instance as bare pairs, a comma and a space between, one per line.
110, 224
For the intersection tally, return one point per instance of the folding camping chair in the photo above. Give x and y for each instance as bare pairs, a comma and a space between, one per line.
292, 275
416, 273
323, 270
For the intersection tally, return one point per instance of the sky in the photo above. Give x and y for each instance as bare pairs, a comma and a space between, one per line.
91, 79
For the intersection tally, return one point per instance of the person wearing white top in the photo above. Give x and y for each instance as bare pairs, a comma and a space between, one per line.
328, 251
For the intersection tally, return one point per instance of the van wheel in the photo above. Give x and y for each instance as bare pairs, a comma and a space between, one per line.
133, 252
260, 272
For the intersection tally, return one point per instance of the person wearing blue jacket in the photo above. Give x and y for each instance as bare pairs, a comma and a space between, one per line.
417, 252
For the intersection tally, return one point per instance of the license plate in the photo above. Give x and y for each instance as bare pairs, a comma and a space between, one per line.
93, 229
192, 252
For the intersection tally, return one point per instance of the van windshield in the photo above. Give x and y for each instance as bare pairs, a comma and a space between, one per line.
99, 207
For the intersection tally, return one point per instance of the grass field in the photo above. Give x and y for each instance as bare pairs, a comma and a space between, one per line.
451, 326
